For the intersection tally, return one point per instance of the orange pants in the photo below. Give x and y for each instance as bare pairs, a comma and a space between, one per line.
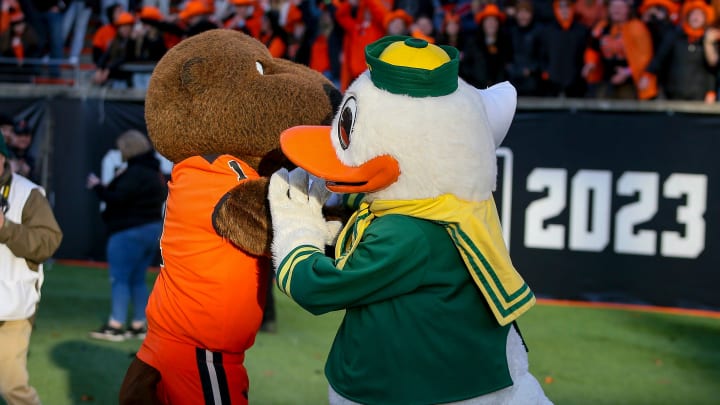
192, 375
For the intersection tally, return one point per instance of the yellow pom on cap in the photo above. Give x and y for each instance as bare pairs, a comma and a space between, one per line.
414, 53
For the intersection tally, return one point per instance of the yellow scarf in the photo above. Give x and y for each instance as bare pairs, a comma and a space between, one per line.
475, 230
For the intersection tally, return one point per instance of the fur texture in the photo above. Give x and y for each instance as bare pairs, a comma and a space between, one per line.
221, 92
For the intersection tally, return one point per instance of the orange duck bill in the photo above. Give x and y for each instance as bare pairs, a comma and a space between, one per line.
310, 147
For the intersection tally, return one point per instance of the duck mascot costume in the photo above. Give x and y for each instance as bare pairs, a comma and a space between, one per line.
421, 269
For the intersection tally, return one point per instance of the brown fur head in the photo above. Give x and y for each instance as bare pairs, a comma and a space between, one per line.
221, 92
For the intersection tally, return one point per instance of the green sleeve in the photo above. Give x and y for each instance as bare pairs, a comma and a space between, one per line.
389, 262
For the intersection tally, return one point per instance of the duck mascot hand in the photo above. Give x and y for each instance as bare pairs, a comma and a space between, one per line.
296, 209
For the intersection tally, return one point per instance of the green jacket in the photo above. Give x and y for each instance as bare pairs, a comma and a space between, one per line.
416, 328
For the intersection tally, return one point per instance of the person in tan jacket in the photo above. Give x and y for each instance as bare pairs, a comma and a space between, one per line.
29, 235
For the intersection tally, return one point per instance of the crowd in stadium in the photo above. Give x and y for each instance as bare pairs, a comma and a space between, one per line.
616, 49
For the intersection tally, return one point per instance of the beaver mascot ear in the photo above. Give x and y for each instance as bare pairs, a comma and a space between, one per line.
221, 93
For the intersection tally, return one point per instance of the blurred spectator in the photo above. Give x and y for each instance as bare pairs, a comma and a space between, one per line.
20, 159
6, 127
621, 49
363, 23
104, 35
299, 20
526, 38
564, 47
49, 28
7, 8
120, 51
155, 20
273, 35
487, 54
20, 41
682, 54
590, 12
397, 22
149, 42
450, 31
415, 8
423, 28
196, 18
133, 218
320, 58
660, 17
246, 17
711, 43
543, 11
148, 45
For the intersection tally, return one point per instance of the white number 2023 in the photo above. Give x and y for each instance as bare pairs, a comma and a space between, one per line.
590, 212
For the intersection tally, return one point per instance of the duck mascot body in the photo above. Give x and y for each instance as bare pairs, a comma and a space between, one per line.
421, 268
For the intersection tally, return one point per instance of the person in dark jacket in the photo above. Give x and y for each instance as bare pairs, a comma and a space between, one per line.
564, 43
526, 38
19, 41
681, 59
487, 54
120, 51
660, 17
133, 217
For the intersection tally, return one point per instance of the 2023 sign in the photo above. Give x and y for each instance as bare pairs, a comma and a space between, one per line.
590, 213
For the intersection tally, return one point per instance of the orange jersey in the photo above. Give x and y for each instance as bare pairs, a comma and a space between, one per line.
104, 36
207, 293
320, 54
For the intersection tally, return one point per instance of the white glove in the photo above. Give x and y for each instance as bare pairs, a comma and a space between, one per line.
296, 210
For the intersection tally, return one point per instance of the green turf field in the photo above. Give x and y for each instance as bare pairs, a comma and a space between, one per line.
580, 355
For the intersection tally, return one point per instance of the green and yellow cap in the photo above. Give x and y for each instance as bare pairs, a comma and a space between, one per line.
412, 66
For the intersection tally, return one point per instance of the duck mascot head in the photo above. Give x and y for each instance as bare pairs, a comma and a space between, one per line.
421, 269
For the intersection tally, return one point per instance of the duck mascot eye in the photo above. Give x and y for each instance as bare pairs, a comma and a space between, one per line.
431, 297
346, 122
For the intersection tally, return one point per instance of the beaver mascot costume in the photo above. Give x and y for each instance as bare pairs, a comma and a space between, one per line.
216, 105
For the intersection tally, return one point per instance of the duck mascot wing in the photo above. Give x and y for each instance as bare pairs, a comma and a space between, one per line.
421, 269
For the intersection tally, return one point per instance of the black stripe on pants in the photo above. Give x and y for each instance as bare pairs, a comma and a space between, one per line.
212, 377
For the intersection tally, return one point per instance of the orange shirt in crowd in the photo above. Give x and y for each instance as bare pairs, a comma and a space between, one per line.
104, 36
359, 32
276, 46
631, 40
320, 54
13, 7
253, 22
590, 12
